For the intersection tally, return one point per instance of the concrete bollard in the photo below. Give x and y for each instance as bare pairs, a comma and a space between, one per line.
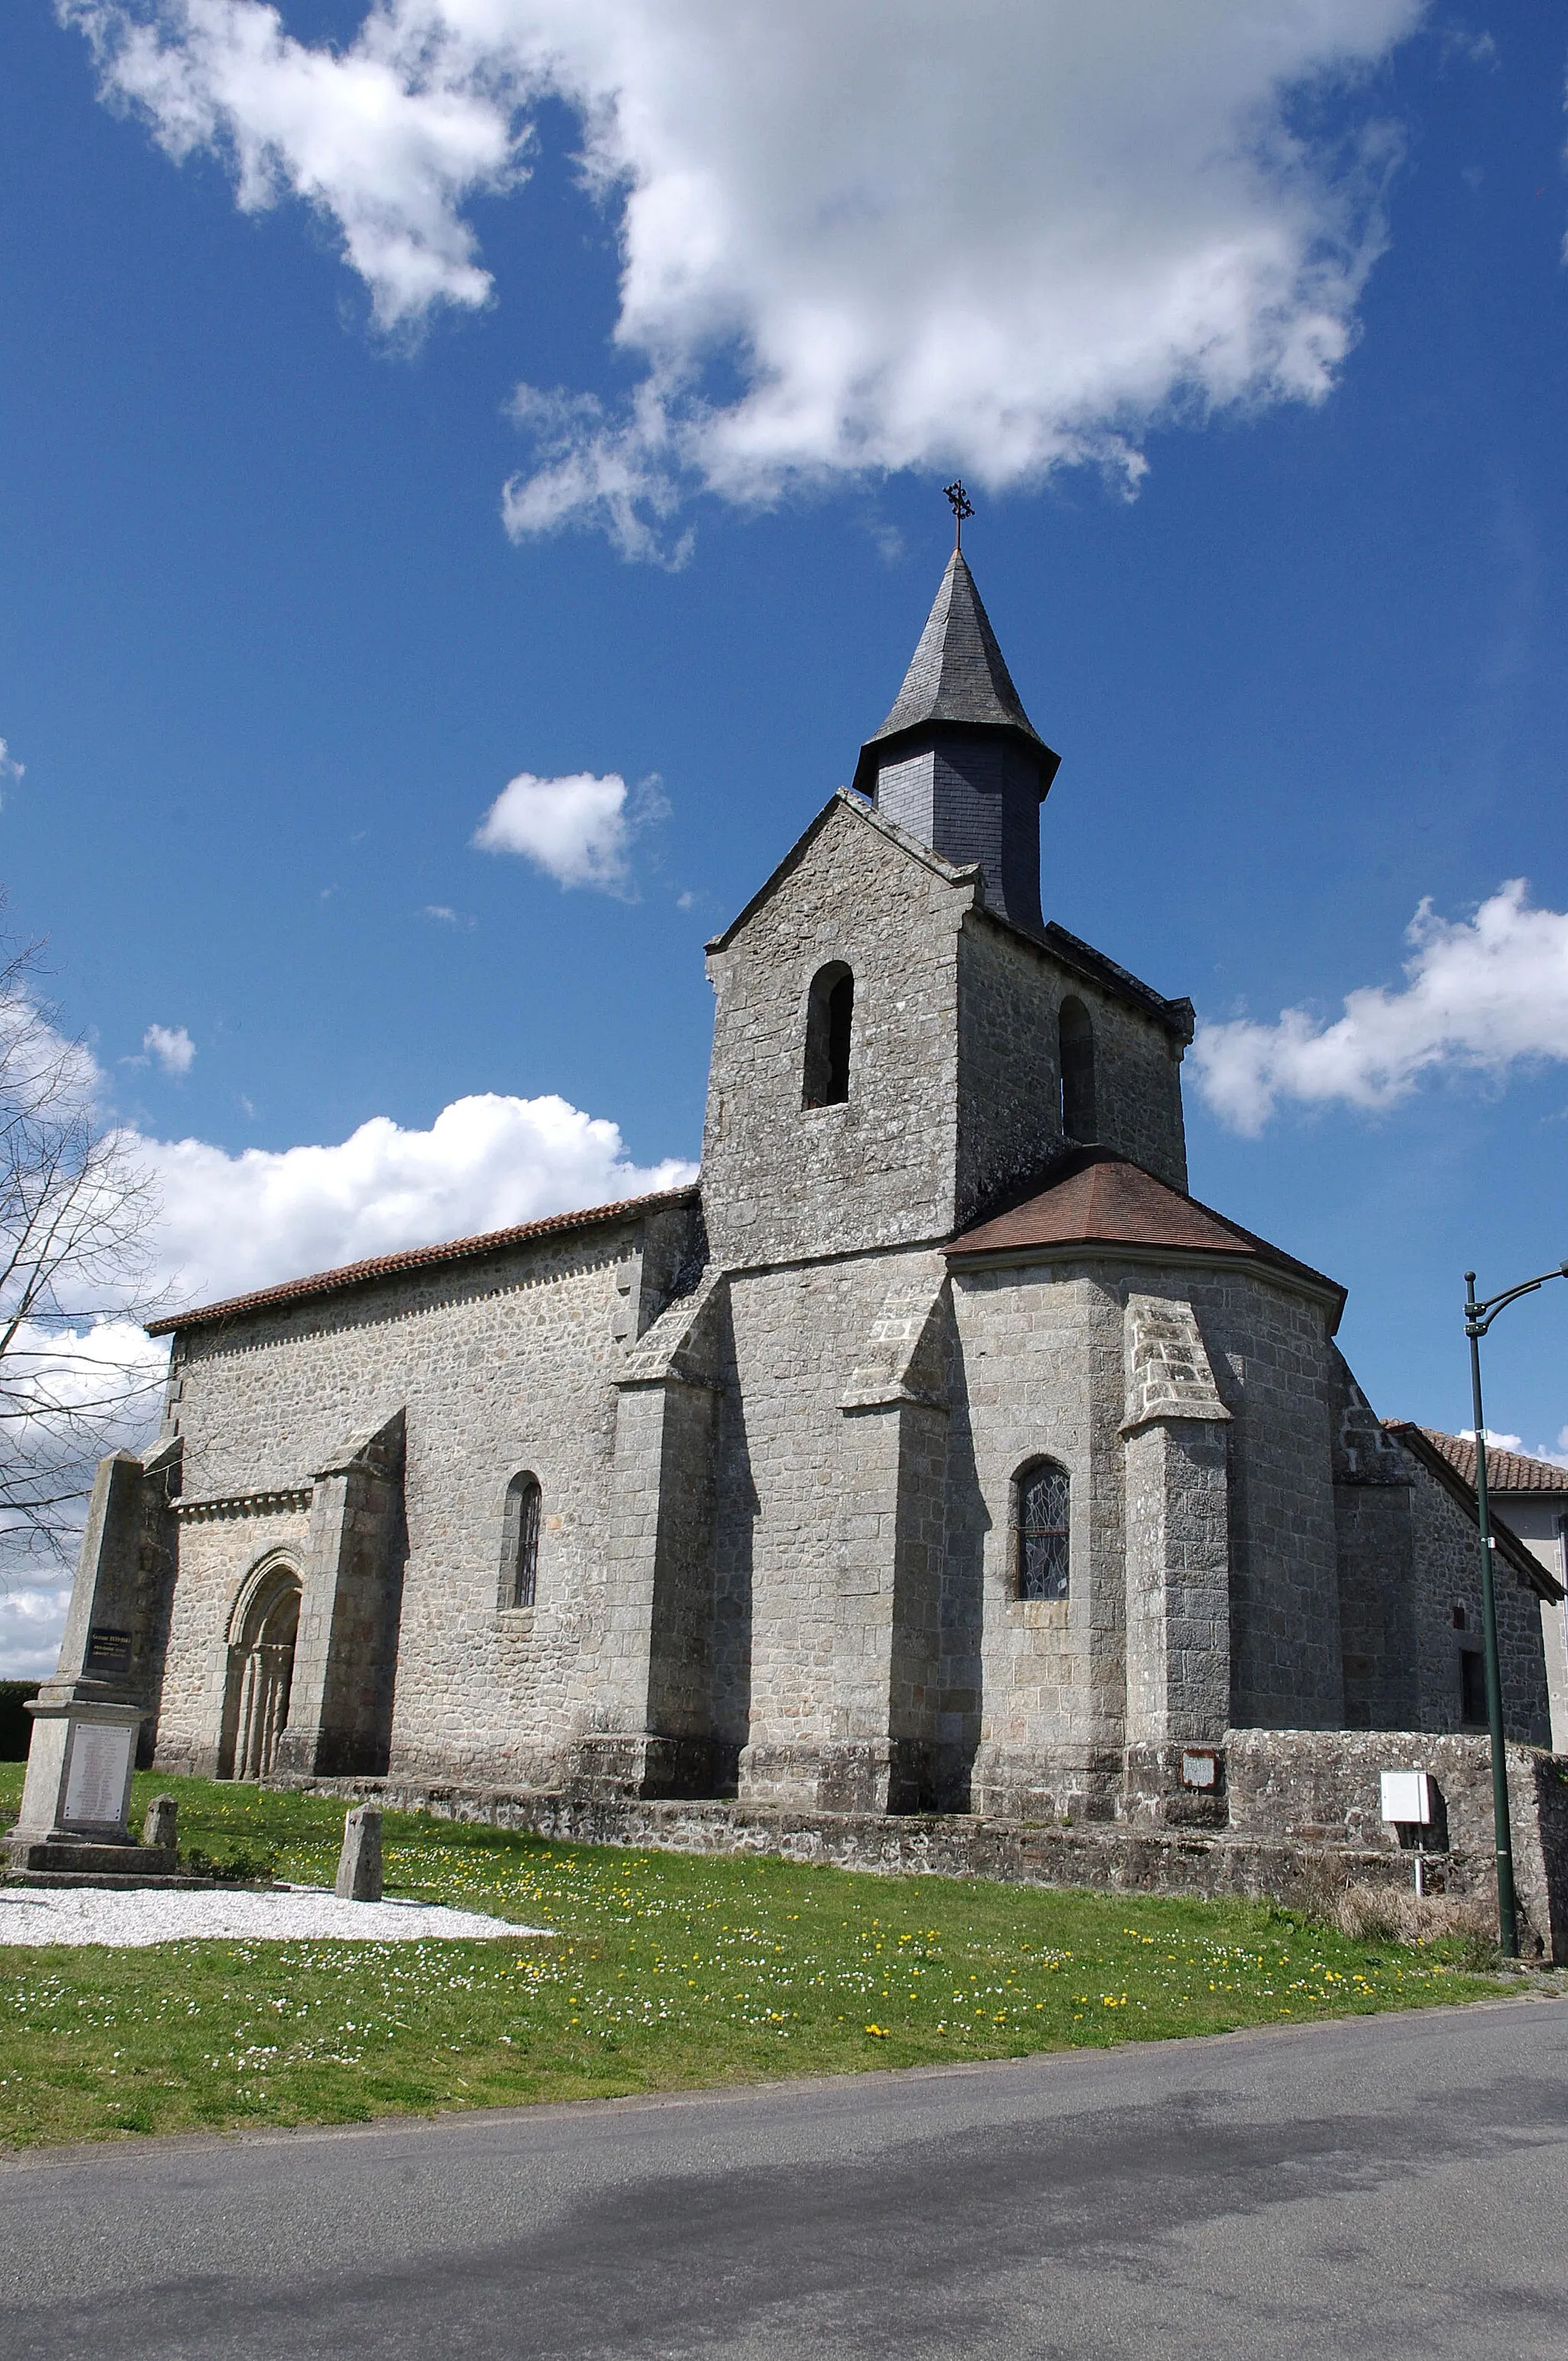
158, 1828
359, 1864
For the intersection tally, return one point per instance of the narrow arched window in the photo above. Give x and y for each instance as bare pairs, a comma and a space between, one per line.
1075, 1041
830, 1026
1041, 1526
520, 1542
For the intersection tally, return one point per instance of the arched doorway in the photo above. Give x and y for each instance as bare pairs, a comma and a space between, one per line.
260, 1671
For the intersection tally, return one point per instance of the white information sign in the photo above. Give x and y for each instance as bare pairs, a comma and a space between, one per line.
95, 1781
1407, 1797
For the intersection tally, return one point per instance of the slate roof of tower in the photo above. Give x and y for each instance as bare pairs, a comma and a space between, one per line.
1095, 1197
362, 1274
1507, 1471
958, 674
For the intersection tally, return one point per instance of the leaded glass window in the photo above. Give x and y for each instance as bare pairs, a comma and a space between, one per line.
520, 1542
1042, 1532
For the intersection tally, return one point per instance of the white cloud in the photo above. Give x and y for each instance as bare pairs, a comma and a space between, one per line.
577, 829
386, 150
998, 237
445, 916
1555, 1456
32, 1621
232, 1222
1481, 994
9, 768
171, 1046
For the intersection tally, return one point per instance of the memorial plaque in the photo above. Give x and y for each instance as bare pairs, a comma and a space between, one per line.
108, 1650
95, 1782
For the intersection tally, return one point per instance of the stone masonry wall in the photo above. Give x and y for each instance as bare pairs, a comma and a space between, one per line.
1303, 1818
807, 1526
499, 1366
1373, 1483
1038, 1376
1010, 996
1177, 1452
780, 1181
217, 1550
1269, 1350
1041, 1373
1448, 1575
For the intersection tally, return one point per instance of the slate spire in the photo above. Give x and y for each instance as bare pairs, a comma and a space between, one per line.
958, 762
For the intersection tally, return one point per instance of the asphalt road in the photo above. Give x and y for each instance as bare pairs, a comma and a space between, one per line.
1392, 2186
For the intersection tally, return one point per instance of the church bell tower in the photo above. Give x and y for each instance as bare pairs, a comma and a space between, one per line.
957, 763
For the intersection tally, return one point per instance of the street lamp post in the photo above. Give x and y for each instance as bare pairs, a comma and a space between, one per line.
1478, 1318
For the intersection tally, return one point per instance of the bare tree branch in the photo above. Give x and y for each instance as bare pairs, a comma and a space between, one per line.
76, 1216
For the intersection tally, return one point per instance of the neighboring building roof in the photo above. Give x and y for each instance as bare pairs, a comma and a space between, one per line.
1429, 1450
363, 1274
1507, 1471
957, 674
1095, 1197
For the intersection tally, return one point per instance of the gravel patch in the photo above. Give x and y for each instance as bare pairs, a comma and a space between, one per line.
88, 1913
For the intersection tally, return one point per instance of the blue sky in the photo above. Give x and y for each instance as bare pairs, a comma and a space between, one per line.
1275, 547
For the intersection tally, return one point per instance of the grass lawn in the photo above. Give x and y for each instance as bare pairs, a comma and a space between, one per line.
669, 1971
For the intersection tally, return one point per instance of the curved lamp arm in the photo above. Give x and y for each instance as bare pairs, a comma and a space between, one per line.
1478, 1317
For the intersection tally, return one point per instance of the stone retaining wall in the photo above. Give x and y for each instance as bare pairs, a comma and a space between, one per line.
1268, 1856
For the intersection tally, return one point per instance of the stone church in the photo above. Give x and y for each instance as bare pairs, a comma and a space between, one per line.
936, 1451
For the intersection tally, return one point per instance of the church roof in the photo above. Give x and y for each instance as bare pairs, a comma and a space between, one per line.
360, 1274
1095, 1197
1434, 1452
957, 674
1507, 1471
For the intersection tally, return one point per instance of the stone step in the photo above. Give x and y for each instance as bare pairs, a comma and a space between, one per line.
132, 1881
147, 1864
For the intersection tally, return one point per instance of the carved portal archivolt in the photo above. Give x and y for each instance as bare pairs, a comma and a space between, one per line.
262, 1634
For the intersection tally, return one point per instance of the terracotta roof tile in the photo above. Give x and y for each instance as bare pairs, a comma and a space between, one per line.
361, 1274
1098, 1198
1507, 1471
1427, 1448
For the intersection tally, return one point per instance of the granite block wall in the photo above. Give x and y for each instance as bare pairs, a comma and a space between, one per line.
221, 1544
1179, 1656
783, 1182
498, 1366
345, 1661
1447, 1575
1268, 1345
1376, 1541
1010, 996
1038, 1376
826, 1530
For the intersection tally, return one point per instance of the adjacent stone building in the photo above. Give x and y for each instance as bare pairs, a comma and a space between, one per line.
938, 1452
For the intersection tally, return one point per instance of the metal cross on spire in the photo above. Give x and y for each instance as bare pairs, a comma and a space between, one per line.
961, 505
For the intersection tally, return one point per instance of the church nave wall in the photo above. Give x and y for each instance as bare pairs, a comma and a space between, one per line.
499, 1366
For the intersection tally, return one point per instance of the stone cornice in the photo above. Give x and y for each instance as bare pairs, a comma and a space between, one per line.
272, 1501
